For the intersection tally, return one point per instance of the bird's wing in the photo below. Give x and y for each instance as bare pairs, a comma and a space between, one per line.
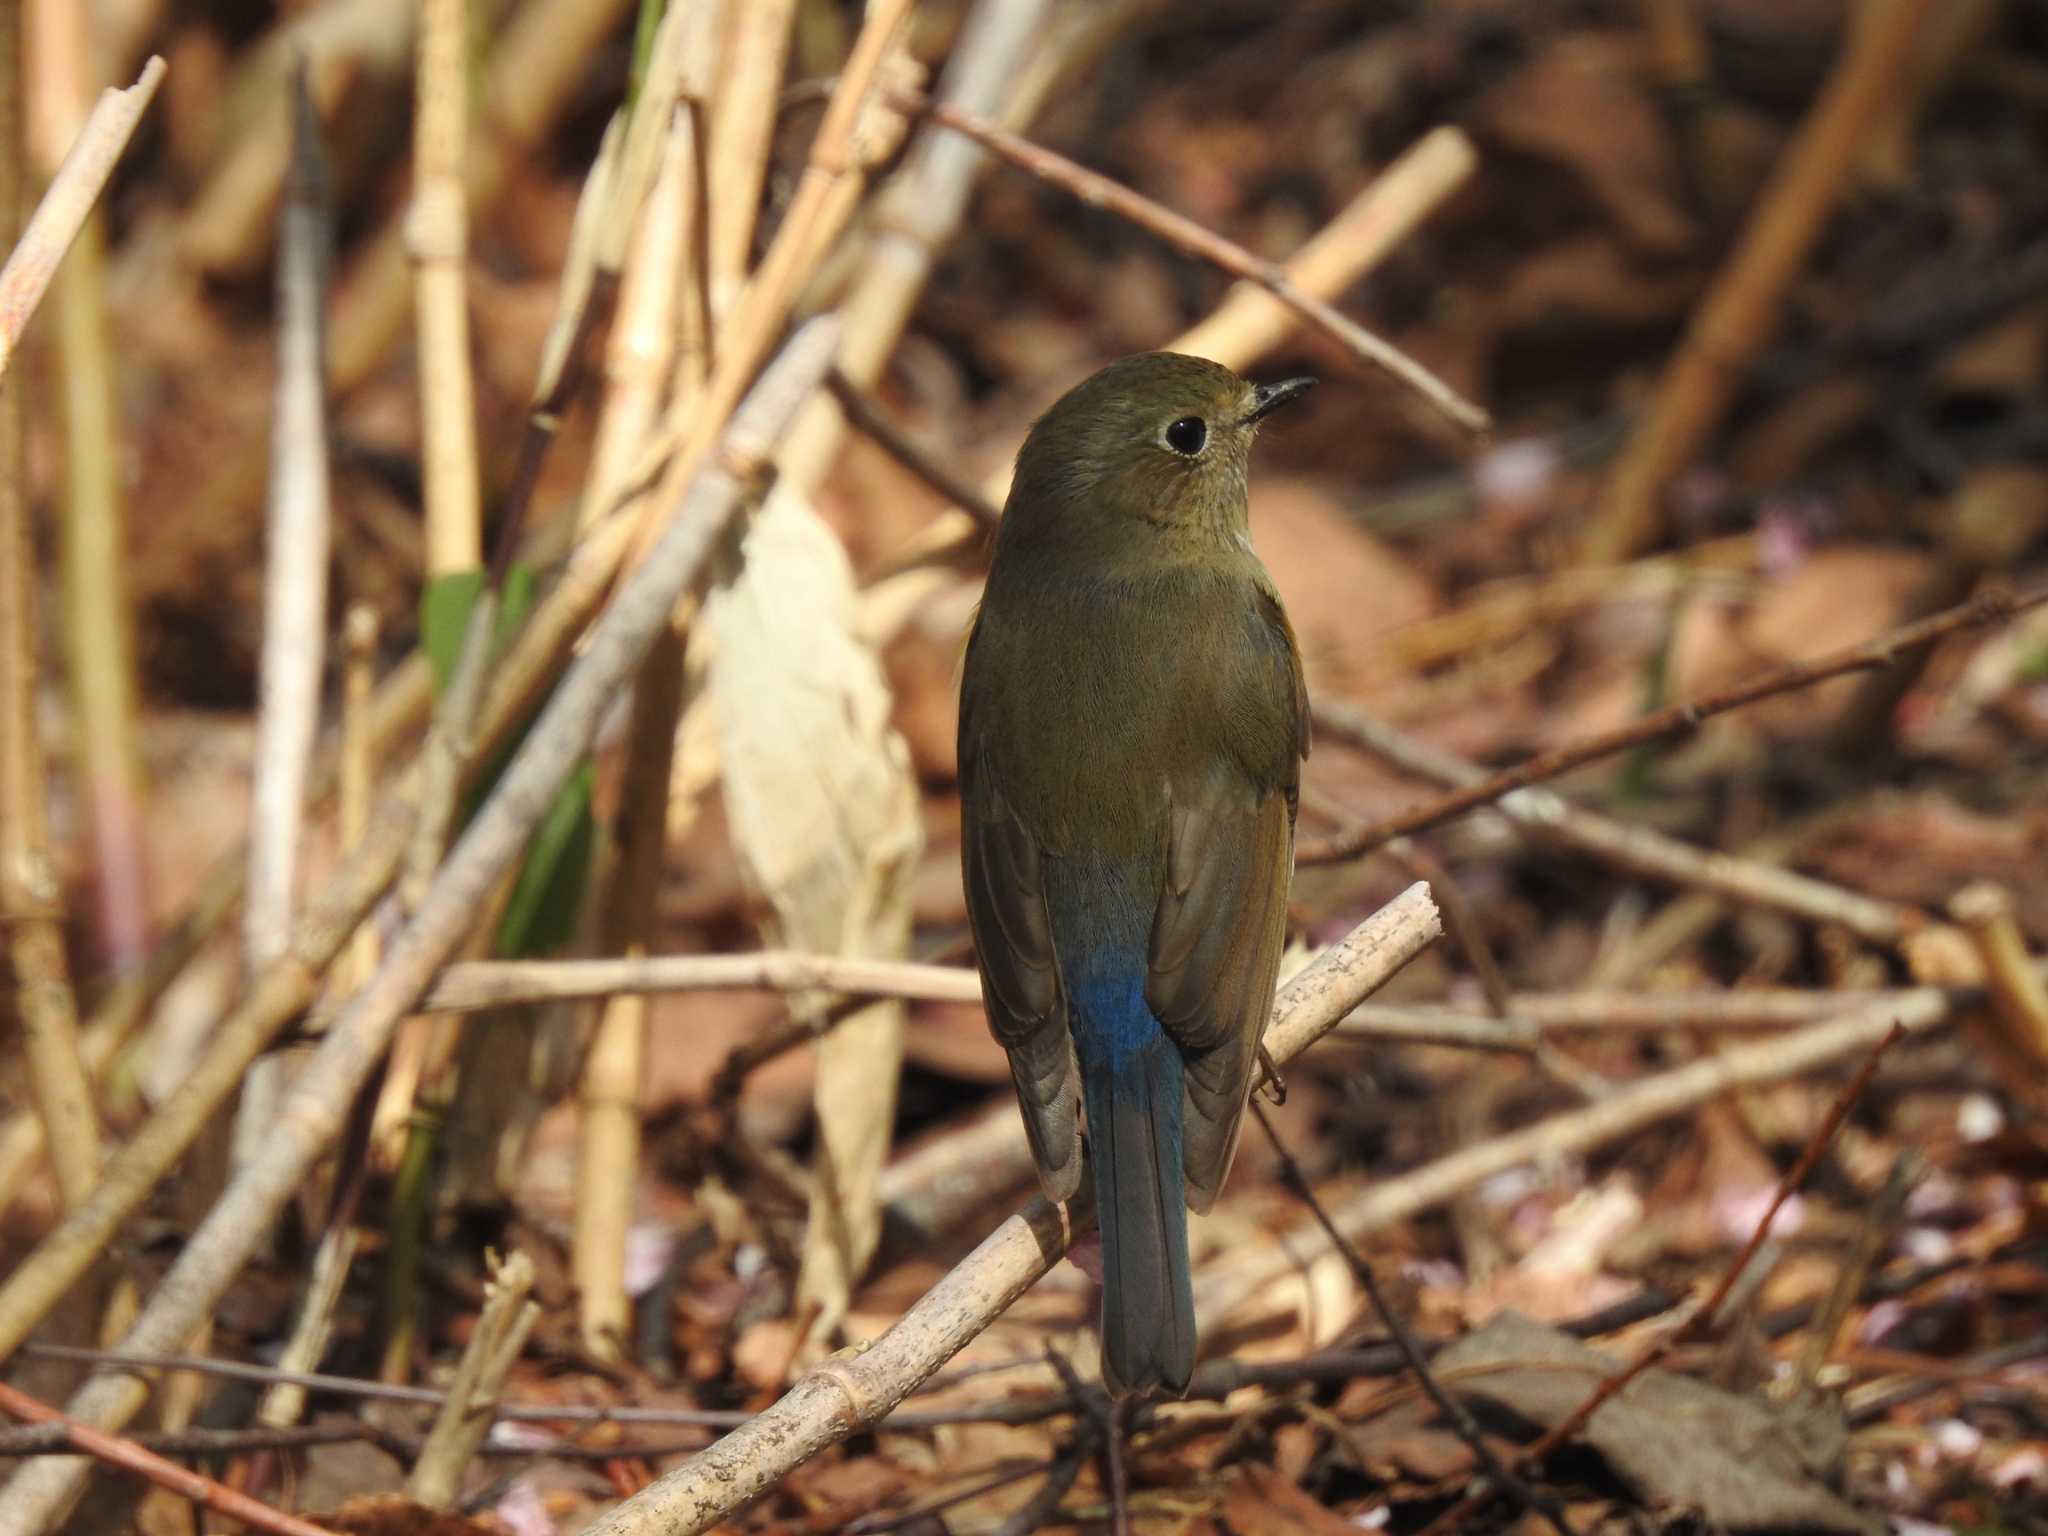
1019, 976
1222, 915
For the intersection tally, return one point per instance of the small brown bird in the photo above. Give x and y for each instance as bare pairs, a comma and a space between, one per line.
1132, 725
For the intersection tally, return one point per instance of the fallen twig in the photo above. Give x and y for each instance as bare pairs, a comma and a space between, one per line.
1988, 607
1459, 1416
1702, 1319
1640, 1104
1545, 814
130, 1457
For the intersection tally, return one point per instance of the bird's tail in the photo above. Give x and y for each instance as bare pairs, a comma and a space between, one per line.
1134, 1136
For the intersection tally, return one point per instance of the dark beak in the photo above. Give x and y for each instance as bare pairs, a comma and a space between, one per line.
1267, 398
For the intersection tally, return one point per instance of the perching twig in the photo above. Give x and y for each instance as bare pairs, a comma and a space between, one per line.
844, 1394
1988, 607
67, 203
1179, 230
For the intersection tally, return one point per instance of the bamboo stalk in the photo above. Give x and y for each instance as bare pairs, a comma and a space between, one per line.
437, 240
742, 130
641, 360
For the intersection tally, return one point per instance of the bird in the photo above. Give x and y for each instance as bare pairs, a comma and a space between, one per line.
1133, 720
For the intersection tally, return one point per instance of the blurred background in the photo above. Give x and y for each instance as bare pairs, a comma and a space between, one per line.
1757, 298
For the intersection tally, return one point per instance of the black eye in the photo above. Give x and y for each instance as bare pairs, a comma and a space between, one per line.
1187, 435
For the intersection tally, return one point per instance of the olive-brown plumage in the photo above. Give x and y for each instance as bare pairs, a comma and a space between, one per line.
1131, 730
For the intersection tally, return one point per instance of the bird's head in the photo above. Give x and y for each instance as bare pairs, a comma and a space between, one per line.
1155, 442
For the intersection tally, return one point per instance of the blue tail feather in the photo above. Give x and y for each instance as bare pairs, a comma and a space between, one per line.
1131, 1083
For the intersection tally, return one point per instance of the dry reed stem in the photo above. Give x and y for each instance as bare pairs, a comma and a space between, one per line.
96, 618
1738, 317
295, 572
437, 240
112, 1451
661, 238
506, 1318
853, 1389
915, 216
741, 134
538, 60
357, 773
813, 221
1546, 815
609, 1091
397, 708
68, 203
2016, 1033
317, 1105
1989, 607
31, 897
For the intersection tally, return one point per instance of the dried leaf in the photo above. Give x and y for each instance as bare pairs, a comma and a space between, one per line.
1738, 1462
824, 815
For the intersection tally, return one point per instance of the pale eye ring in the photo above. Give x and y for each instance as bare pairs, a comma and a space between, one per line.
1187, 436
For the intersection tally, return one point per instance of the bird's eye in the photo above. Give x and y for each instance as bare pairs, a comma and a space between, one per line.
1187, 435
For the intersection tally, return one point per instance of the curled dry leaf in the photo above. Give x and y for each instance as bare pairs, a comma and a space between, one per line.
1740, 1463
824, 815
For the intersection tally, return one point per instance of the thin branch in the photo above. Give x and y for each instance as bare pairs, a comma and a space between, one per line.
1545, 815
1249, 321
869, 418
1459, 1416
1992, 606
130, 1457
1176, 229
1700, 1321
68, 202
